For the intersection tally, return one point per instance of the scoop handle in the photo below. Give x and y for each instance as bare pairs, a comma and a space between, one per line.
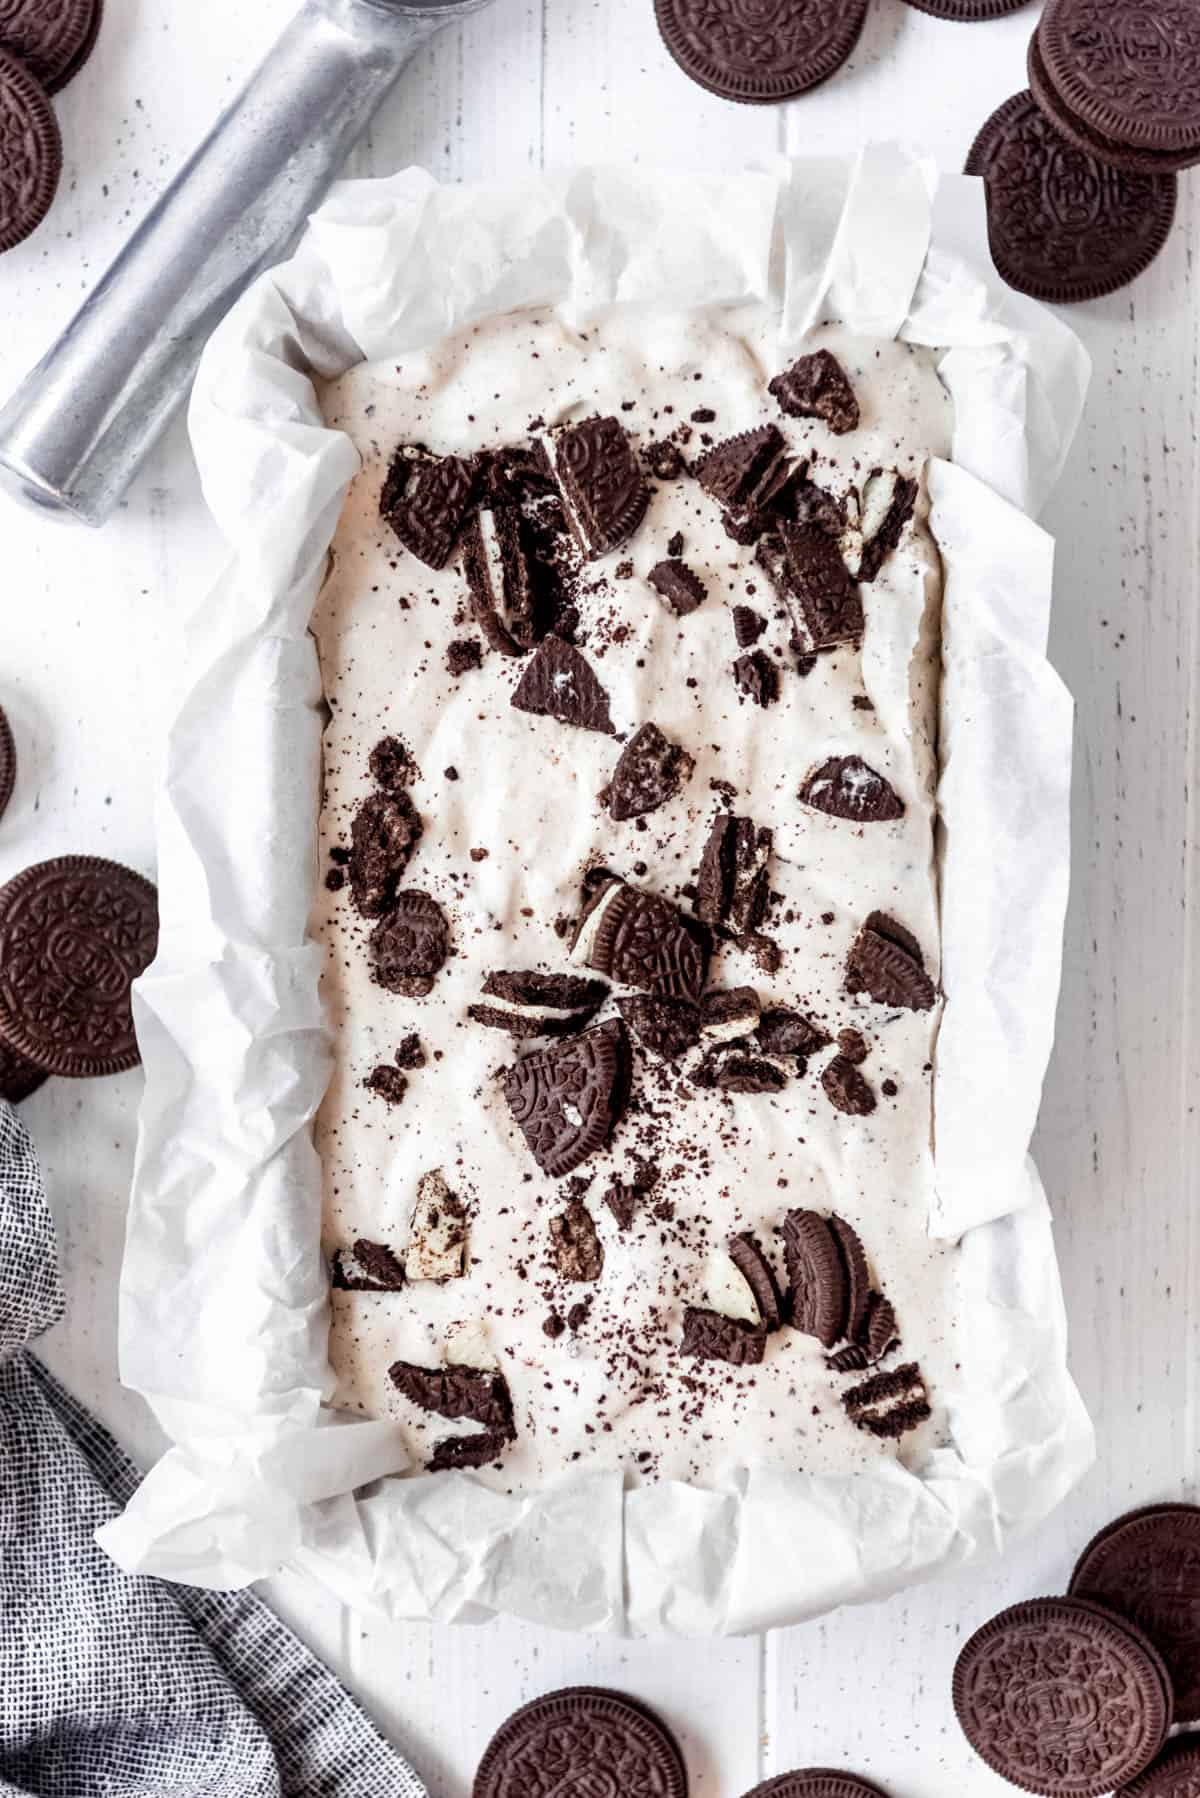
79, 427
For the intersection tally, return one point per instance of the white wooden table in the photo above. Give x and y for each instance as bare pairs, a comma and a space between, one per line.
90, 631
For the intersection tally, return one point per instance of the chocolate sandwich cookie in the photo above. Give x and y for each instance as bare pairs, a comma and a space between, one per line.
560, 683
1146, 1566
1175, 1774
817, 1782
651, 771
847, 787
817, 386
32, 153
75, 934
502, 579
748, 475
567, 1100
760, 51
603, 489
367, 1267
528, 1004
1136, 160
581, 1741
889, 1405
8, 763
968, 12
710, 1336
640, 939
53, 38
1131, 73
1063, 226
1063, 1698
425, 500
886, 963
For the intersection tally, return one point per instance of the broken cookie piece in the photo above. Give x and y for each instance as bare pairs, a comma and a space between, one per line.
639, 939
805, 567
567, 1100
817, 386
818, 1286
603, 490
747, 1256
392, 765
746, 475
578, 1251
846, 787
668, 1028
888, 502
748, 626
501, 579
526, 1004
461, 1394
462, 1454
756, 677
730, 1013
437, 1243
785, 1032
889, 1404
425, 499
847, 1089
383, 836
387, 1083
651, 771
732, 1070
886, 963
708, 1336
410, 946
367, 1267
679, 585
733, 887
559, 683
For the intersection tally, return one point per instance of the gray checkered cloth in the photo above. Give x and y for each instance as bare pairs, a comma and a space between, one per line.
112, 1687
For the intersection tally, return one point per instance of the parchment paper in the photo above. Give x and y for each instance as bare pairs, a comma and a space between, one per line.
224, 1295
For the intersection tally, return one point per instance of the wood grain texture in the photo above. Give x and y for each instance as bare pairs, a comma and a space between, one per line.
91, 641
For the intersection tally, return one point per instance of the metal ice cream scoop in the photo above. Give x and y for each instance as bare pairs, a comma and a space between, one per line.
78, 428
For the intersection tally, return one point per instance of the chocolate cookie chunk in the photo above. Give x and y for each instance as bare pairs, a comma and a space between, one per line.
785, 1032
889, 1405
879, 1335
1146, 1566
410, 946
888, 502
638, 939
462, 1454
437, 1237
19, 1079
567, 1100
602, 485
845, 787
500, 580
708, 1336
817, 386
886, 962
463, 656
731, 1070
816, 1782
32, 151
52, 38
818, 1284
679, 585
581, 1741
748, 626
425, 500
528, 1004
392, 767
651, 771
462, 1394
746, 475
968, 12
577, 1249
805, 566
383, 837
846, 1088
75, 934
668, 1028
1059, 1697
759, 53
558, 683
8, 763
387, 1083
747, 1256
367, 1267
1132, 77
729, 1013
858, 1278
1175, 1774
757, 677
733, 887
1043, 244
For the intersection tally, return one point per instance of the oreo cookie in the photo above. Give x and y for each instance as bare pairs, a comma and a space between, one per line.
526, 1004
410, 946
463, 1454
759, 52
8, 762
1136, 160
1132, 75
501, 580
668, 1028
52, 38
575, 1244
729, 1013
889, 500
818, 1284
603, 490
782, 1031
367, 1267
75, 933
567, 1100
425, 501
383, 838
437, 1237
748, 626
679, 585
757, 677
578, 1741
651, 771
733, 887
817, 386
889, 1405
734, 1070
968, 12
1146, 1566
709, 1336
639, 939
886, 963
747, 1256
746, 475
804, 564
387, 1083
816, 1782
1061, 1697
846, 1088
1175, 1774
33, 154
19, 1079
878, 1337
559, 683
1042, 241
846, 787
858, 1278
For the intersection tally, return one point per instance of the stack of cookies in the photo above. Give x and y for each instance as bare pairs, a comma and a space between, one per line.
43, 46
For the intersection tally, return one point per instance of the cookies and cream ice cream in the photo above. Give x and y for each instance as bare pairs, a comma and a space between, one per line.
630, 645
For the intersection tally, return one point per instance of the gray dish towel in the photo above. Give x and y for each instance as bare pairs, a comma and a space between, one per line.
112, 1687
